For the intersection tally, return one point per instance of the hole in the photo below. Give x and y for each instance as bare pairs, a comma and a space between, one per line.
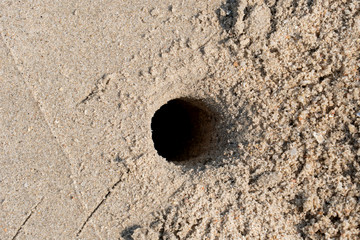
182, 129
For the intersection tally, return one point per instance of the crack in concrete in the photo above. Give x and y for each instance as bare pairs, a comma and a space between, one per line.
100, 86
27, 219
107, 195
79, 196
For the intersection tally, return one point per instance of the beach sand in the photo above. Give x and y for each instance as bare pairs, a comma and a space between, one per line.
276, 154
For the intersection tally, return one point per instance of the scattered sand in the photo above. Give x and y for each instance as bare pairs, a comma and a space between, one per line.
81, 82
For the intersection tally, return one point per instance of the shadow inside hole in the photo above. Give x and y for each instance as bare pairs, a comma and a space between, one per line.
183, 129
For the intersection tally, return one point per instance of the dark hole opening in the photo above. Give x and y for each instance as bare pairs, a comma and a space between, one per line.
182, 129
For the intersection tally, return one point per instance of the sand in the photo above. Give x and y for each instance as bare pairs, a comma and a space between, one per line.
81, 81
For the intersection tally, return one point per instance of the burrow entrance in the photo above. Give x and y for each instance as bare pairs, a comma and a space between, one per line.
183, 129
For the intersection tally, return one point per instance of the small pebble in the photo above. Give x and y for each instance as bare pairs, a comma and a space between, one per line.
293, 152
358, 114
352, 128
319, 137
154, 12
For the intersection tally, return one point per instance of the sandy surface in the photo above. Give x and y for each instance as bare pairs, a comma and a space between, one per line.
81, 81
